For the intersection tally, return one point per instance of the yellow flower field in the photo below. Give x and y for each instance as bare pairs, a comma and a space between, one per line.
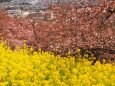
18, 68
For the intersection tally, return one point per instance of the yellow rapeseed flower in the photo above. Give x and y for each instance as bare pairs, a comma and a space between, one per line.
20, 68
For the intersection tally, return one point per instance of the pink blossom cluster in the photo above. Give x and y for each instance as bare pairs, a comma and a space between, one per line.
89, 27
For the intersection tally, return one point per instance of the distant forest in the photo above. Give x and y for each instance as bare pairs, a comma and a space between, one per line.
4, 1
